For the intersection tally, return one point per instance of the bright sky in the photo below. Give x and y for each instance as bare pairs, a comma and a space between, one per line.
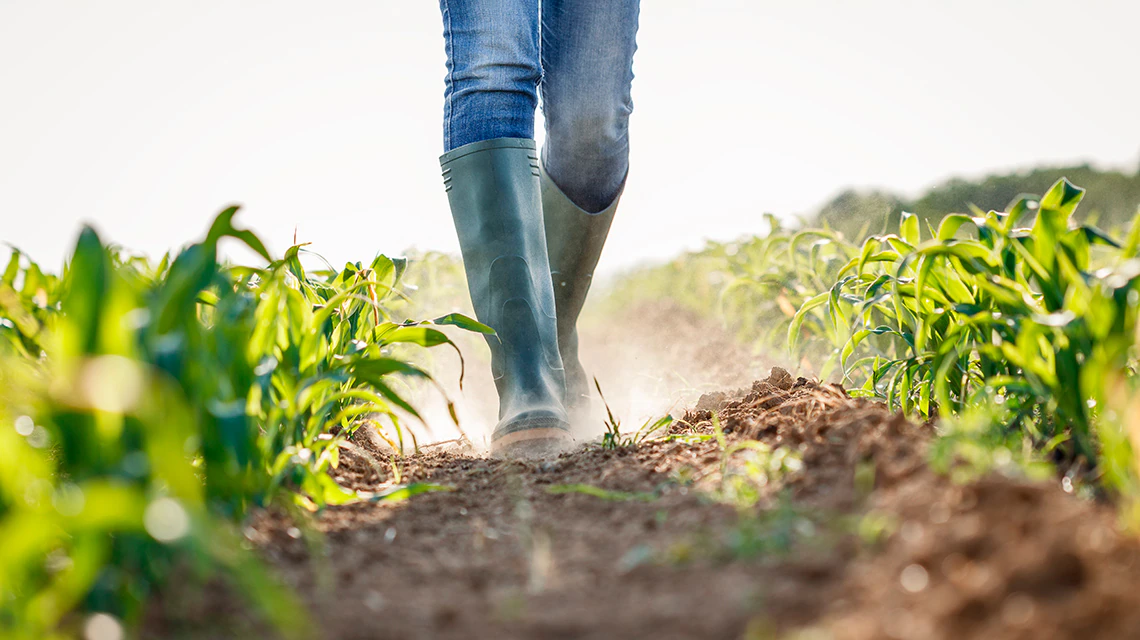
146, 117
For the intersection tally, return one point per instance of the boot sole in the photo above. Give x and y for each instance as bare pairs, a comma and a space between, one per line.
541, 443
533, 437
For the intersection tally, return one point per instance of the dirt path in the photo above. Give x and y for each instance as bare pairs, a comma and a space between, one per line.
861, 541
838, 530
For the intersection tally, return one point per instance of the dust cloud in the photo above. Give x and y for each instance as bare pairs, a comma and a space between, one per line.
650, 359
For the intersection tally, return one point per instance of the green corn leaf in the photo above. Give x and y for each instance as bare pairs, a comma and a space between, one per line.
223, 227
89, 282
12, 270
961, 249
464, 322
376, 367
899, 245
908, 228
422, 336
1132, 241
869, 247
950, 225
1096, 236
1062, 198
801, 315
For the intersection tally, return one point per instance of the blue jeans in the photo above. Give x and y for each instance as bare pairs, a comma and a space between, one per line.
578, 53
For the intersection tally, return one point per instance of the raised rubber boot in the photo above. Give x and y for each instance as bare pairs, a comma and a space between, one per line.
493, 189
574, 240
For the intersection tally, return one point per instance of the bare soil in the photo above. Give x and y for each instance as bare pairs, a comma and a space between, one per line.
854, 538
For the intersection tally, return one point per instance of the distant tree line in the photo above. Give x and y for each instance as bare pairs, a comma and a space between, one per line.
1113, 198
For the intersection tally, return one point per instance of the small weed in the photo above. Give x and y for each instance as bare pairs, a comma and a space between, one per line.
770, 531
598, 492
613, 438
875, 527
763, 468
511, 607
775, 530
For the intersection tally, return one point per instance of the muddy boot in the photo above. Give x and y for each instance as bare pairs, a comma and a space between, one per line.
574, 240
493, 189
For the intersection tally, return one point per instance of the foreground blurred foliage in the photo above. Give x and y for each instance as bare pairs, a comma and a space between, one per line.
145, 408
1017, 328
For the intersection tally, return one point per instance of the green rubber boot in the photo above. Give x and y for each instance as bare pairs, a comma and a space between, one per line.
493, 189
574, 240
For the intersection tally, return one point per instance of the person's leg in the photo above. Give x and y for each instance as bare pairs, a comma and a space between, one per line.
587, 62
491, 175
493, 70
587, 52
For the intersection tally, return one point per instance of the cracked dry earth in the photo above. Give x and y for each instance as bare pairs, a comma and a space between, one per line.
859, 540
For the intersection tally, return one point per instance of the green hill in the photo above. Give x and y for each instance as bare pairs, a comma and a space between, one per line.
1113, 198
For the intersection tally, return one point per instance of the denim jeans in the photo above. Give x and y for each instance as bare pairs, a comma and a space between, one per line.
501, 54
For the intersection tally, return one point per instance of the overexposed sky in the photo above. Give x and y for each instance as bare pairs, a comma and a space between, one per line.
147, 117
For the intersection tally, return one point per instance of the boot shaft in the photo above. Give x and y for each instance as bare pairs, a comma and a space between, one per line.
575, 239
494, 192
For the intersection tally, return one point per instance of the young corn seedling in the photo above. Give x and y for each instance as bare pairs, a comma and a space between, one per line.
613, 438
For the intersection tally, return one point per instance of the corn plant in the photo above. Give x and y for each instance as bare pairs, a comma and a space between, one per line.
145, 408
773, 275
985, 311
